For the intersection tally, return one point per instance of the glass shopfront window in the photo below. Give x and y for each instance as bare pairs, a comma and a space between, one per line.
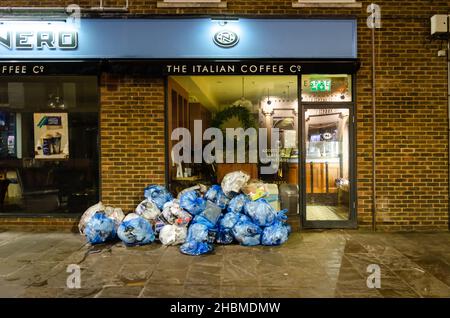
266, 107
49, 141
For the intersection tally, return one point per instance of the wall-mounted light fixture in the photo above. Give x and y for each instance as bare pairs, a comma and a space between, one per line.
223, 20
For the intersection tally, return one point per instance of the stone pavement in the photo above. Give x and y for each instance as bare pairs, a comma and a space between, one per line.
310, 264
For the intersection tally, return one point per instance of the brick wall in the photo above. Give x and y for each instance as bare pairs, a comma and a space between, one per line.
39, 224
132, 138
412, 144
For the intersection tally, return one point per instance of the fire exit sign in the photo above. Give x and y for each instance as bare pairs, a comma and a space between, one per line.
320, 85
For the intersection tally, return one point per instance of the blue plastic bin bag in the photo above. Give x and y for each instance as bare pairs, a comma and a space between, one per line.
197, 232
236, 204
225, 236
261, 212
136, 230
244, 218
196, 248
100, 229
212, 235
158, 195
276, 234
281, 215
247, 233
192, 202
229, 220
217, 196
226, 223
202, 220
198, 239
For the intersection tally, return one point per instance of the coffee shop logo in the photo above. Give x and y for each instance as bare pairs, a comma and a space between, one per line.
226, 38
30, 39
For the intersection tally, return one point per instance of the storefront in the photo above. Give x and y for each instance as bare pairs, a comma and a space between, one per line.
67, 94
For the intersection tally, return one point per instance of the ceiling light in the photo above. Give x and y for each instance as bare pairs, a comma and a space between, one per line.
243, 102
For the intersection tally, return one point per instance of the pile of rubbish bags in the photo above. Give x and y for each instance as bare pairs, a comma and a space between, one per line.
196, 219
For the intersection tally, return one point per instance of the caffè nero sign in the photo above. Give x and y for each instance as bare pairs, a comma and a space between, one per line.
226, 38
31, 39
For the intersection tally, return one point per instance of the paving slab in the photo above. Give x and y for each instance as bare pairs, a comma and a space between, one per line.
311, 264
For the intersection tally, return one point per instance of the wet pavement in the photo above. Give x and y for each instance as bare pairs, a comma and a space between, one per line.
310, 264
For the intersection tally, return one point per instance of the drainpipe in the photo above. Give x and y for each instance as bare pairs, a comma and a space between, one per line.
374, 136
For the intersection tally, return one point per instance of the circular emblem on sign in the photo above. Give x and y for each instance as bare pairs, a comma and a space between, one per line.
226, 38
327, 136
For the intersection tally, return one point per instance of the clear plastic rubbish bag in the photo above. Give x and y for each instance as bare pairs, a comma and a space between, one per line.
88, 214
236, 204
158, 195
276, 234
255, 189
173, 234
115, 214
217, 196
100, 229
148, 210
247, 233
212, 212
261, 212
233, 182
199, 187
192, 202
136, 230
174, 214
195, 248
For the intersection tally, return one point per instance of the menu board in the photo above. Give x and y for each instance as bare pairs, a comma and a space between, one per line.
51, 136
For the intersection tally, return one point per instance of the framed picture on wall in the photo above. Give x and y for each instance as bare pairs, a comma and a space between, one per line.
51, 136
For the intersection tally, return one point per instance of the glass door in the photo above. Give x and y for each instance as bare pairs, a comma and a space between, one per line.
328, 148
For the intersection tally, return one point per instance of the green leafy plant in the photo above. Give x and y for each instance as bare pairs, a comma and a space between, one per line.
240, 112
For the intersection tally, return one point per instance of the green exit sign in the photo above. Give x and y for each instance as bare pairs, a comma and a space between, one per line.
320, 85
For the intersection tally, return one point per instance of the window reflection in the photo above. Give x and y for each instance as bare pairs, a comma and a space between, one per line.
44, 174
